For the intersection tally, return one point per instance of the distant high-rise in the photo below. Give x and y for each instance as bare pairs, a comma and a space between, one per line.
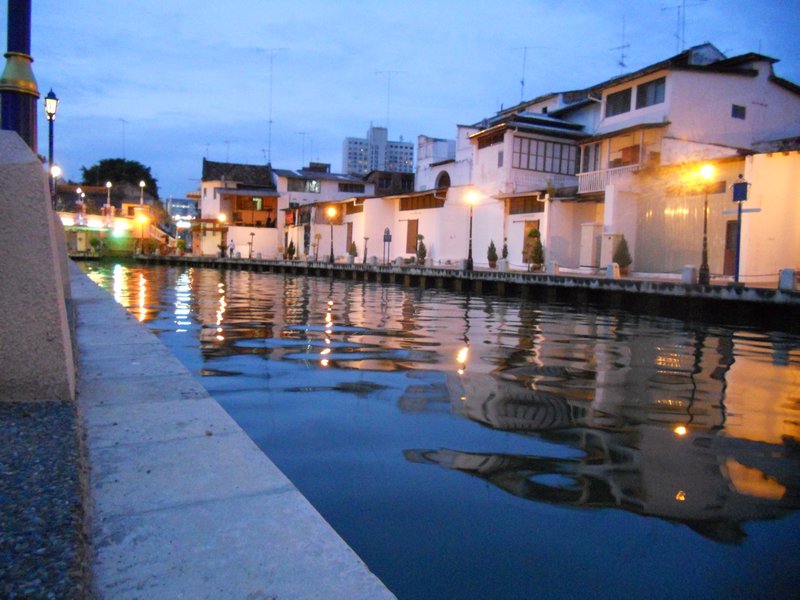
376, 152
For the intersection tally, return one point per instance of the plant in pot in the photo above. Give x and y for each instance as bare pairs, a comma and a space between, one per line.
352, 252
536, 258
180, 246
290, 251
491, 255
95, 244
622, 256
422, 252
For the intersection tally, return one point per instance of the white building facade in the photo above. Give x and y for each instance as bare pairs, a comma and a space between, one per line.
376, 152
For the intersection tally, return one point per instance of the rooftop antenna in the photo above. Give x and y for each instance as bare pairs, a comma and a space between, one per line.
272, 52
389, 75
622, 47
680, 28
524, 63
303, 134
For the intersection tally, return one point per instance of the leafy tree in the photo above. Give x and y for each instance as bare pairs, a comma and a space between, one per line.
118, 170
622, 255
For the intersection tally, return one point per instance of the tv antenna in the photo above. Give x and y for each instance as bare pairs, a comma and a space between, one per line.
680, 28
524, 63
622, 47
303, 134
272, 52
389, 75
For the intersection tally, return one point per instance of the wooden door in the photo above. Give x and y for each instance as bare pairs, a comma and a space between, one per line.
411, 236
731, 234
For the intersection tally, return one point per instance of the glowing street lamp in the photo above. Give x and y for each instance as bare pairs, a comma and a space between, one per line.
707, 173
141, 192
142, 222
108, 203
331, 212
50, 108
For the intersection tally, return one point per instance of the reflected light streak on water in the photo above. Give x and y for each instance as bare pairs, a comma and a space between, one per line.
473, 447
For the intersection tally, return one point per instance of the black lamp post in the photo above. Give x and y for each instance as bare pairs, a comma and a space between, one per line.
365, 250
50, 108
471, 199
704, 274
331, 212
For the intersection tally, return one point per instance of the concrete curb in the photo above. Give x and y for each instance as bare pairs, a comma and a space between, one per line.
183, 503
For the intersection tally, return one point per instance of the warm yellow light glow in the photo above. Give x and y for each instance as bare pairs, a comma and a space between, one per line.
222, 217
680, 430
142, 219
325, 351
707, 172
461, 359
108, 184
472, 197
55, 171
95, 223
331, 212
141, 184
324, 362
680, 496
67, 221
330, 302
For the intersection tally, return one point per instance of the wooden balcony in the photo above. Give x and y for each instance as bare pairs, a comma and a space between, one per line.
596, 181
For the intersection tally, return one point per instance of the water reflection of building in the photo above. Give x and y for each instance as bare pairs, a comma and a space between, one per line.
650, 458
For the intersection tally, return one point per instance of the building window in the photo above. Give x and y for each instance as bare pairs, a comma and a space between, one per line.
526, 204
548, 157
421, 202
303, 185
650, 93
590, 158
500, 158
443, 180
738, 111
356, 188
618, 103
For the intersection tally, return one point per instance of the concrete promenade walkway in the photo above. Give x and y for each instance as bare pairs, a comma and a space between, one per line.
184, 505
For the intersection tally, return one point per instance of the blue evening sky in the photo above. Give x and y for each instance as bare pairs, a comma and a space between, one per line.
167, 82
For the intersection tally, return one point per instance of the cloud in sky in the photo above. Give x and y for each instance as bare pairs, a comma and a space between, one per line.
169, 82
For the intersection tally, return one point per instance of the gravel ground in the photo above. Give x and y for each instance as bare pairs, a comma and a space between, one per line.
41, 536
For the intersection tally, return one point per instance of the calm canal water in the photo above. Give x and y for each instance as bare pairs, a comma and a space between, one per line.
470, 447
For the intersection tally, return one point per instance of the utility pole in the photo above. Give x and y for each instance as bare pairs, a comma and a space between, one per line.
272, 53
622, 47
524, 64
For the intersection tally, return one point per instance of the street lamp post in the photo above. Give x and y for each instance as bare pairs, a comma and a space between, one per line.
365, 250
108, 203
704, 274
471, 199
331, 212
142, 220
50, 108
141, 192
250, 253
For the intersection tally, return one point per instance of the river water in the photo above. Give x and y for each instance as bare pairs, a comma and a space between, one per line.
479, 447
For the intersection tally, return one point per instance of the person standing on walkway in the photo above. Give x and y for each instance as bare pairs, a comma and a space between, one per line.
231, 248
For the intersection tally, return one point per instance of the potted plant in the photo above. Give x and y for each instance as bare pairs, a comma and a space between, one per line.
536, 257
491, 255
222, 249
290, 251
317, 238
180, 246
622, 256
352, 252
422, 251
95, 244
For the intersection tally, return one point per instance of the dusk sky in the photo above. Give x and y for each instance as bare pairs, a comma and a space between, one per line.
169, 82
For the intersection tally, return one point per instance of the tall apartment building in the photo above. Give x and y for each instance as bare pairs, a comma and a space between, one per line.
376, 153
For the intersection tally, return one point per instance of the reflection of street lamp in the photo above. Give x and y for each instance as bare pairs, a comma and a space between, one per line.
707, 172
331, 212
461, 359
471, 198
108, 203
142, 220
50, 108
141, 192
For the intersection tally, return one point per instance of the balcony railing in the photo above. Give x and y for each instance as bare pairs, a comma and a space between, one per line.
596, 181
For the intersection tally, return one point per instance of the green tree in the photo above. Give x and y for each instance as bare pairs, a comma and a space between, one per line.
117, 170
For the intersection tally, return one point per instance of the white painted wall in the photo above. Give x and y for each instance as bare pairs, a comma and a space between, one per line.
771, 238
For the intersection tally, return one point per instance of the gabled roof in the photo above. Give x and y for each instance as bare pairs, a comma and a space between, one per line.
245, 175
541, 123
